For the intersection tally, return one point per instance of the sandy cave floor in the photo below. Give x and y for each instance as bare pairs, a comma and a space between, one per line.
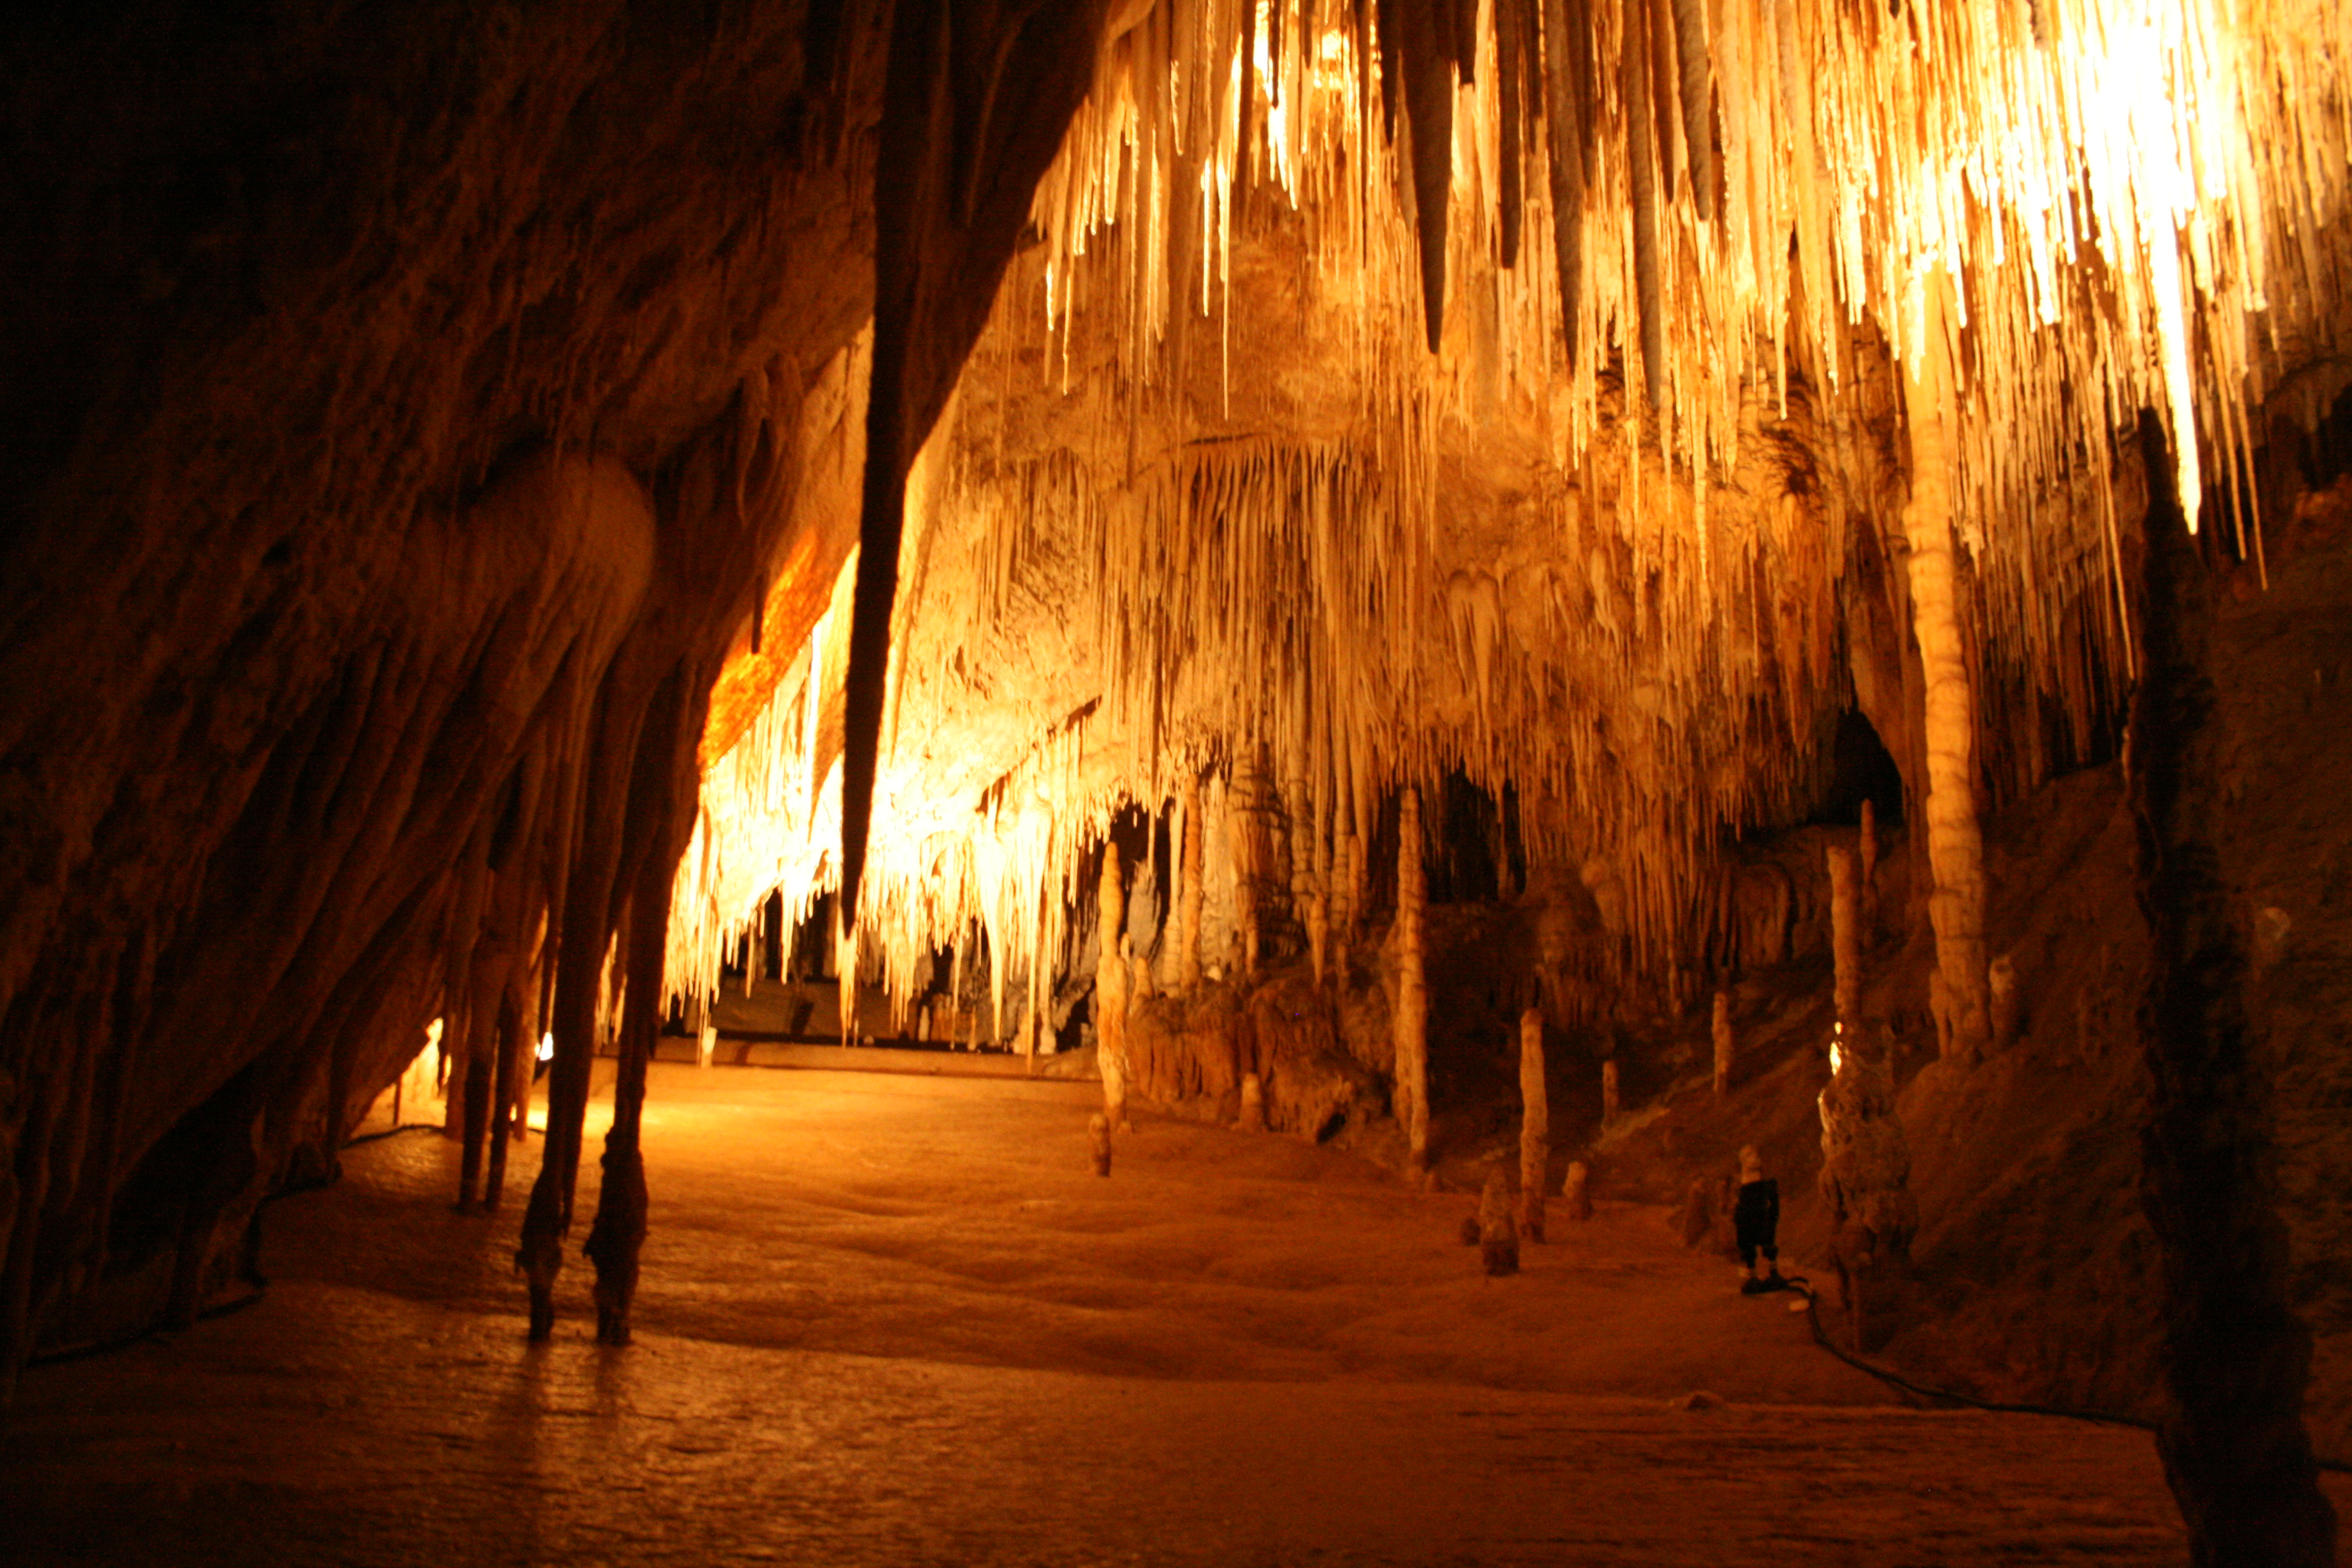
893, 1320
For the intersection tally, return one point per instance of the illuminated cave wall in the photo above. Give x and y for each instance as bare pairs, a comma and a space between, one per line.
415, 422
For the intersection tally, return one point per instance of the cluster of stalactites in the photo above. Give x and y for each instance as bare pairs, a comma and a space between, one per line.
2122, 200
2075, 195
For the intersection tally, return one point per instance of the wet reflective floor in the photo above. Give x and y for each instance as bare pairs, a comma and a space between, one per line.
895, 1322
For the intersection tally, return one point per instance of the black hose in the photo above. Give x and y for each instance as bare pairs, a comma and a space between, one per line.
1952, 1397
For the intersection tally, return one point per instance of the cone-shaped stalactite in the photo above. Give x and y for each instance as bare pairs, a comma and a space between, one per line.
1429, 110
2235, 1450
971, 120
1634, 82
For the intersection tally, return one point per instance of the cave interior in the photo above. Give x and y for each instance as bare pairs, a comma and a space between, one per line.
1527, 593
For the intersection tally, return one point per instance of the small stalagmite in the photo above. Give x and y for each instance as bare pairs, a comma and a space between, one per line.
1610, 1103
2007, 1007
1696, 1216
1498, 1233
1099, 1142
1576, 1192
1535, 1126
1412, 1015
1253, 1117
1724, 1047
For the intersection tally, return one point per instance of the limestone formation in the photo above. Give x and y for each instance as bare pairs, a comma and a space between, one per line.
1576, 1192
1253, 1119
1099, 1142
1611, 1106
1111, 987
1498, 1232
2007, 1005
1845, 941
1410, 1012
500, 506
1866, 1180
1535, 1126
1189, 890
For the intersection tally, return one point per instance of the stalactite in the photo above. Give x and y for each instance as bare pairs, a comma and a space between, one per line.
1696, 83
1641, 163
1429, 112
1568, 116
1410, 1017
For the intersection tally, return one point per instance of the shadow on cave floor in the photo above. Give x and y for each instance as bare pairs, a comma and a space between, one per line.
892, 1320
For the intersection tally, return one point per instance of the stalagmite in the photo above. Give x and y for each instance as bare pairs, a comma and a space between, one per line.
1866, 1178
1410, 1017
2006, 1006
1955, 841
1610, 1106
1498, 1233
1576, 1191
1696, 81
1111, 986
1535, 1126
1252, 1116
1187, 922
1724, 1046
1099, 1142
1846, 936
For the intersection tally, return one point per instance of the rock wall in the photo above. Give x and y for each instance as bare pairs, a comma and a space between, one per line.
401, 429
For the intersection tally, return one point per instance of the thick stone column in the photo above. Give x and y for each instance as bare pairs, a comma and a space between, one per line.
1955, 841
1535, 1126
1188, 894
2235, 1450
1411, 1018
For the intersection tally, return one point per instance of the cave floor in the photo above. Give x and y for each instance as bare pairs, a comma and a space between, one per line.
893, 1320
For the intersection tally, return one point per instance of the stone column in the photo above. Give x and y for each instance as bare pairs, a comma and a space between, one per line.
1111, 984
1845, 937
1535, 1126
1188, 897
1955, 841
1410, 1019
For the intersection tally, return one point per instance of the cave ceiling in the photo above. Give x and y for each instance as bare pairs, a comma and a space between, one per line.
1588, 490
